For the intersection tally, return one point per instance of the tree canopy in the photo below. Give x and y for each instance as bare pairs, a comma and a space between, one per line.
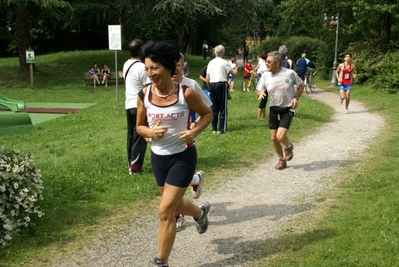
56, 25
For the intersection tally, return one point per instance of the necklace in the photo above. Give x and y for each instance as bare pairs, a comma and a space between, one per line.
164, 96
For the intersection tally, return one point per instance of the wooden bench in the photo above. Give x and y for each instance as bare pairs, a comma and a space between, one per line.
87, 77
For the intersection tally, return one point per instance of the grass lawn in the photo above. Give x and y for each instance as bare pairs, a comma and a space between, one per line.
356, 224
88, 190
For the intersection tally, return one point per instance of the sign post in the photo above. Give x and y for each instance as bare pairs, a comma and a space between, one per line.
30, 58
115, 43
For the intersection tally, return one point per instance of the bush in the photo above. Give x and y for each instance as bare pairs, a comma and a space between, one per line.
20, 191
376, 64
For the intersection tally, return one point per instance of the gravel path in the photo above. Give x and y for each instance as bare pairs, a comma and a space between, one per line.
251, 208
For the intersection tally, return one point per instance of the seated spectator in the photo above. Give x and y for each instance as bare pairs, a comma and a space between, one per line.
95, 72
106, 74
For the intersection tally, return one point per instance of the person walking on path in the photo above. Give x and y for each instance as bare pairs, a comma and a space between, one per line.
260, 69
278, 83
283, 51
216, 75
302, 65
199, 177
344, 74
205, 84
163, 114
135, 79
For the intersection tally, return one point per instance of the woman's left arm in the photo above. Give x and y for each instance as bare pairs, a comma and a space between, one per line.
195, 103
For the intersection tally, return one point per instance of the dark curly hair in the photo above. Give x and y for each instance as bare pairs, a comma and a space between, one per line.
165, 54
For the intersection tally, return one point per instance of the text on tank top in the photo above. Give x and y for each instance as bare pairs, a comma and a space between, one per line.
346, 74
175, 116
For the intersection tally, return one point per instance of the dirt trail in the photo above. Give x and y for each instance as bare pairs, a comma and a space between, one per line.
252, 208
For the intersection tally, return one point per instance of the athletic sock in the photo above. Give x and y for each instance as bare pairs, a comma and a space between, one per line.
195, 181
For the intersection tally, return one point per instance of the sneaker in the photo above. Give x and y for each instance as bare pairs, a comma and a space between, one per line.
180, 223
288, 152
155, 262
202, 223
282, 164
106, 85
102, 82
213, 131
347, 111
196, 190
340, 101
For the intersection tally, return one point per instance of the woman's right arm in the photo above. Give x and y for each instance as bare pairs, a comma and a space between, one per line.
141, 119
156, 132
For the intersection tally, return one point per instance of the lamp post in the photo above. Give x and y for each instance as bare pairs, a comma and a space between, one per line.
334, 81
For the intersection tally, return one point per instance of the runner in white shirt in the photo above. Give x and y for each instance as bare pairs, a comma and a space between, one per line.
278, 83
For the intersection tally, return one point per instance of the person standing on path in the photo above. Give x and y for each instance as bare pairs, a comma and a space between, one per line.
278, 83
135, 79
163, 114
344, 74
232, 78
216, 75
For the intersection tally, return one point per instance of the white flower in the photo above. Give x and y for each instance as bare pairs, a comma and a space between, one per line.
20, 190
7, 227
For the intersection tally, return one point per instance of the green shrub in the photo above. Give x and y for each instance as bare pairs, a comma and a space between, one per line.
376, 64
20, 190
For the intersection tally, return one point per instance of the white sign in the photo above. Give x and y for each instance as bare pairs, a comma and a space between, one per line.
30, 56
114, 37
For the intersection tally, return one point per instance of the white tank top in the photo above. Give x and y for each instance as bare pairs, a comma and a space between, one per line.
175, 116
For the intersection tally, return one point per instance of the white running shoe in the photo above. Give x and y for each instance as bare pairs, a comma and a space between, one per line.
202, 223
196, 190
340, 101
180, 223
347, 111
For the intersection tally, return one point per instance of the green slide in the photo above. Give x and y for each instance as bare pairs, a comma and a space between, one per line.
14, 105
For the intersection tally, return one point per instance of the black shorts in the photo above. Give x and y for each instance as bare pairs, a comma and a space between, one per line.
262, 103
177, 169
280, 117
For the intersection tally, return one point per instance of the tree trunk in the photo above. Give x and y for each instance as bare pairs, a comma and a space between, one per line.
22, 35
181, 36
192, 43
386, 28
